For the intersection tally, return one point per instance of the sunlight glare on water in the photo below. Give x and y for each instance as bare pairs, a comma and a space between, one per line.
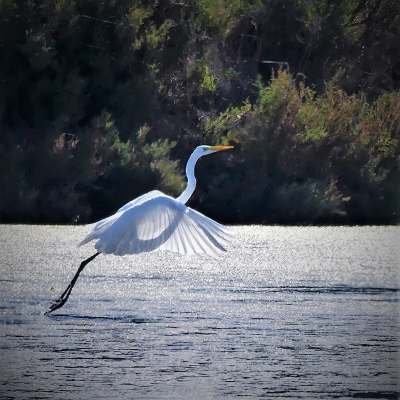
288, 312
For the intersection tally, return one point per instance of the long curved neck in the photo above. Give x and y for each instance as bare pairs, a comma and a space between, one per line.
191, 185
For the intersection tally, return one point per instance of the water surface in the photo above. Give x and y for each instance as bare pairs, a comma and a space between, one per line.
288, 312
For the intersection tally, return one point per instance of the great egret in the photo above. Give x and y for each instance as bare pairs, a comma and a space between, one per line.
155, 221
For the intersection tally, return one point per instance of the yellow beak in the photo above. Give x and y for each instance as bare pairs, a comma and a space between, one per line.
220, 148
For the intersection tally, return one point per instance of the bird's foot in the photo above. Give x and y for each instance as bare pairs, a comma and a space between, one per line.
58, 302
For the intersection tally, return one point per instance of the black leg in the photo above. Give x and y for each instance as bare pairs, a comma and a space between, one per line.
64, 297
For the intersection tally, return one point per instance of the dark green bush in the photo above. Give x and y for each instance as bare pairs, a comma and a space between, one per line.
98, 98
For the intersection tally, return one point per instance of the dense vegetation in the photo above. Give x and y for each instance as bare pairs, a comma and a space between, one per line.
101, 101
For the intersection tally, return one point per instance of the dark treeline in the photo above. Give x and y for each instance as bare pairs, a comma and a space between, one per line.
101, 101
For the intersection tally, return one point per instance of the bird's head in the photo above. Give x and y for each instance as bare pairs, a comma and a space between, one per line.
205, 150
199, 151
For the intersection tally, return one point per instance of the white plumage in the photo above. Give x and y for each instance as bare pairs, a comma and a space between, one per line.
156, 221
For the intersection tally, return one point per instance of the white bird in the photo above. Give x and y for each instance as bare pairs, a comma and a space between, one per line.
155, 221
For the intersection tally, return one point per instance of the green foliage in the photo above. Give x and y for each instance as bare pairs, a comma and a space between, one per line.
138, 13
208, 84
310, 157
224, 127
170, 180
125, 167
306, 202
224, 15
98, 98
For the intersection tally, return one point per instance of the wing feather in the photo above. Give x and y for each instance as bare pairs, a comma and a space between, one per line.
201, 246
214, 234
222, 231
121, 247
197, 232
211, 249
158, 222
183, 239
190, 239
173, 240
148, 232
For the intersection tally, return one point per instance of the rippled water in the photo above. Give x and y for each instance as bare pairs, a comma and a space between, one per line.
287, 313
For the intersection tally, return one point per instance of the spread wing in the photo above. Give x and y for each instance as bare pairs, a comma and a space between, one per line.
159, 222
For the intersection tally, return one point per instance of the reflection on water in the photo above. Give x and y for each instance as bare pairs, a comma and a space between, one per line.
287, 313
